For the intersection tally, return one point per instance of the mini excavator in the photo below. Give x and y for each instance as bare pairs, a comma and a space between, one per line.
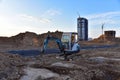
67, 44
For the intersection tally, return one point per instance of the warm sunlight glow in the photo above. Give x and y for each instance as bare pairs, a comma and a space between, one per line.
19, 16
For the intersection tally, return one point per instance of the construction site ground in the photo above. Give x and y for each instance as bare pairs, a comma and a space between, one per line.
95, 63
89, 64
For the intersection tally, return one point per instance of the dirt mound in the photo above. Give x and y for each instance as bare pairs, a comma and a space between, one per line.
100, 41
27, 40
56, 34
103, 39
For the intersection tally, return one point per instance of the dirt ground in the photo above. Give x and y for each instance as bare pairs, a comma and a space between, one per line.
91, 64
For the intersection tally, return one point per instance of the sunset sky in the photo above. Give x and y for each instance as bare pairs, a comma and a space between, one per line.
41, 16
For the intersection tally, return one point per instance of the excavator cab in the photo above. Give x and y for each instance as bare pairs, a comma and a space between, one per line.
68, 39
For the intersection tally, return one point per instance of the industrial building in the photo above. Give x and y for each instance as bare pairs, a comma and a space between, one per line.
110, 35
82, 29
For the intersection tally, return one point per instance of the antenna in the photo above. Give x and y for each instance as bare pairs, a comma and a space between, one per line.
78, 14
102, 27
102, 30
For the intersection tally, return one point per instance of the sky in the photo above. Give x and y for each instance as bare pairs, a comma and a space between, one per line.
41, 16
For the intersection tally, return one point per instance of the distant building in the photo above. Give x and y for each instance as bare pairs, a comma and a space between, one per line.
110, 35
82, 28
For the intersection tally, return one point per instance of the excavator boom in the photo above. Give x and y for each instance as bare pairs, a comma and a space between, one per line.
58, 41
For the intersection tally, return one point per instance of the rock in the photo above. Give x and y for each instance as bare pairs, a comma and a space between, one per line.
36, 74
67, 65
97, 59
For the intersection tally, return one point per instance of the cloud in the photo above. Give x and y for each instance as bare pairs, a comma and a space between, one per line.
108, 18
34, 19
111, 20
44, 20
1, 3
52, 12
45, 17
104, 15
13, 24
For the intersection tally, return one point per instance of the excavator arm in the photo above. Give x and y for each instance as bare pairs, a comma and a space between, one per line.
58, 41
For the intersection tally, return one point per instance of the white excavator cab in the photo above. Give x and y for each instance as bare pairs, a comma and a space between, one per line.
68, 39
